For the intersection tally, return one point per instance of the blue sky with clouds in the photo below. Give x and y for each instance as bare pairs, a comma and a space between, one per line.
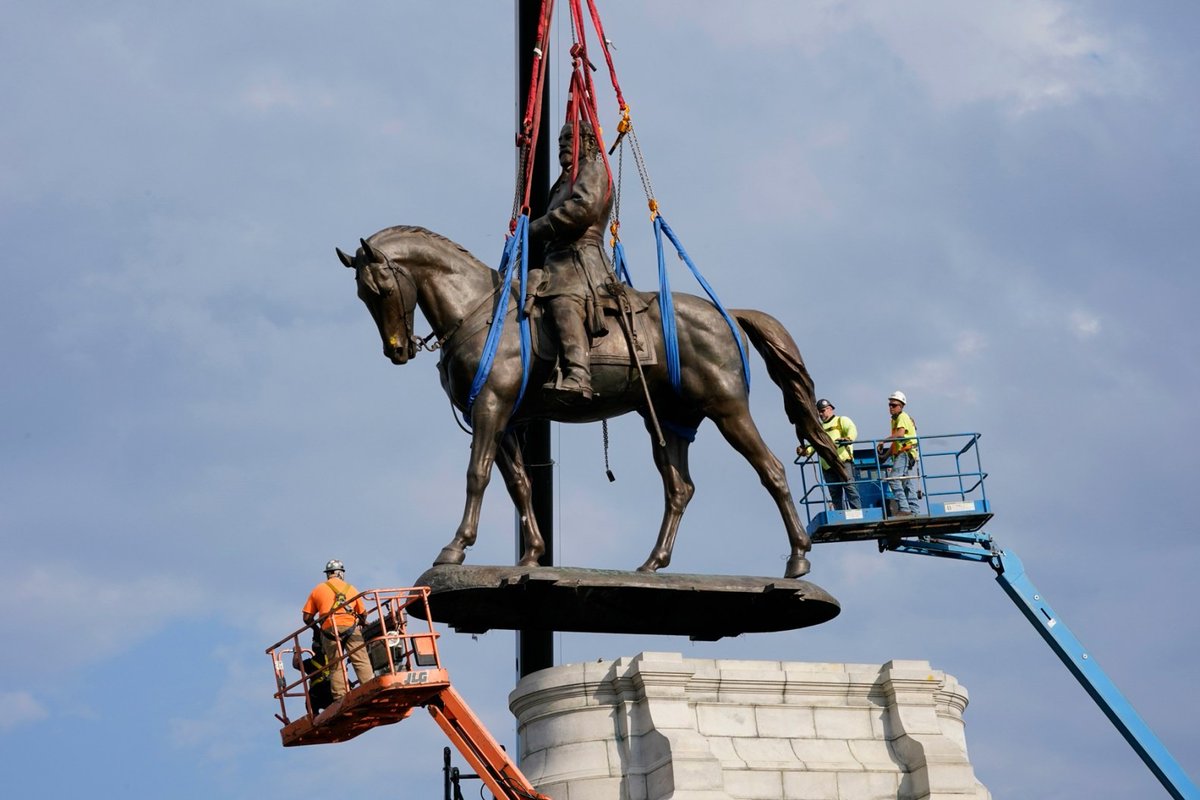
991, 206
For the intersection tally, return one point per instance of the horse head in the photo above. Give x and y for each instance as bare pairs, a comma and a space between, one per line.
390, 294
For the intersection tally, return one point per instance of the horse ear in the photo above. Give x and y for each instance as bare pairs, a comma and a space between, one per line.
370, 251
346, 260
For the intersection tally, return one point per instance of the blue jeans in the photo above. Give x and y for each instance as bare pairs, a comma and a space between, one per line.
905, 492
846, 496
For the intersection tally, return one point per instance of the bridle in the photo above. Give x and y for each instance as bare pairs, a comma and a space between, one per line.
407, 309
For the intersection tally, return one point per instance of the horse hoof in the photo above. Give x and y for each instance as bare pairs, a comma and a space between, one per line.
797, 567
654, 563
450, 556
529, 561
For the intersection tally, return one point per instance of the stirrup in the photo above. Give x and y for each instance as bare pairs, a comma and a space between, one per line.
570, 387
574, 387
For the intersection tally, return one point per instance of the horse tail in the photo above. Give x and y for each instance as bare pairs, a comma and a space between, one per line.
786, 367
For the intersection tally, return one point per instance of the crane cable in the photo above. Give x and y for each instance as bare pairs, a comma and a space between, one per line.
581, 107
515, 257
625, 130
627, 134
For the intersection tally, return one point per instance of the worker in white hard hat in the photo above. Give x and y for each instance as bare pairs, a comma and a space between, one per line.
900, 447
335, 610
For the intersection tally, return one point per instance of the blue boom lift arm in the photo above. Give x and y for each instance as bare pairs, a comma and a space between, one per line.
951, 482
1010, 574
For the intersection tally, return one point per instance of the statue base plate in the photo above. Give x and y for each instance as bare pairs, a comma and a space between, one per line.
703, 607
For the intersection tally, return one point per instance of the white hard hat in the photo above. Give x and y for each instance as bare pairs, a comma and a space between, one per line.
334, 566
898, 395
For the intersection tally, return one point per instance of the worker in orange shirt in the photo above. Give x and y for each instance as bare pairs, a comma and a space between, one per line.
334, 609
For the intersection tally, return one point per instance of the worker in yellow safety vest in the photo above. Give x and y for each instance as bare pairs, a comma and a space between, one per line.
900, 448
842, 431
320, 694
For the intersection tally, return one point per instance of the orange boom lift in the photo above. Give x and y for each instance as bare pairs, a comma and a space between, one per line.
402, 644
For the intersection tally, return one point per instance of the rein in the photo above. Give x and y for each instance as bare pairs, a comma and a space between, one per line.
515, 252
443, 340
408, 316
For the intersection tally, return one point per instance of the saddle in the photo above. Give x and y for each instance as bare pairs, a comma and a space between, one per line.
613, 348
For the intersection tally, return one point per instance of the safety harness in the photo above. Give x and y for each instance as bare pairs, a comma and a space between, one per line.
339, 602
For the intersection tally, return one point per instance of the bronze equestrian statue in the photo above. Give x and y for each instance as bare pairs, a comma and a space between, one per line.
400, 268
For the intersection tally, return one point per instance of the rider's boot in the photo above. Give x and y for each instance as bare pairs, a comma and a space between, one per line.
567, 313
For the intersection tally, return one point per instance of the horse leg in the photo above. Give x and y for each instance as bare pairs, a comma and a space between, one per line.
484, 443
741, 432
672, 463
511, 462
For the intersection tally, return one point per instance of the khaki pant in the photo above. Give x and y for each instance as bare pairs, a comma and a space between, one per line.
337, 667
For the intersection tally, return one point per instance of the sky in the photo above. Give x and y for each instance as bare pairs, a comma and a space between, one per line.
991, 206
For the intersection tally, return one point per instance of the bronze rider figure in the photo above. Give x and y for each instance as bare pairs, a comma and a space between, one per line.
576, 265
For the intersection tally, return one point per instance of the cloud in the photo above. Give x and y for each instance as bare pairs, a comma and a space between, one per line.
950, 373
114, 46
795, 188
807, 26
970, 343
226, 729
1026, 55
1083, 324
86, 617
860, 568
19, 708
275, 92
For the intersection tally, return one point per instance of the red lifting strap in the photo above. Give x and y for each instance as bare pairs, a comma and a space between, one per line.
612, 71
528, 135
581, 101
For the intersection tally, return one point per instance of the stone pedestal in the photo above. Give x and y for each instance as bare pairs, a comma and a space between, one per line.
660, 726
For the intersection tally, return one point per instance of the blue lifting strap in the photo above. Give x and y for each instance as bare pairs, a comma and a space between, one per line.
666, 306
621, 264
519, 241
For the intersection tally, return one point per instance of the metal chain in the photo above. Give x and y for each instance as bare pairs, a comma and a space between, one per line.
607, 470
519, 190
615, 217
620, 179
643, 173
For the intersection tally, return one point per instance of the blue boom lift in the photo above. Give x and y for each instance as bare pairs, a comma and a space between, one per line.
951, 482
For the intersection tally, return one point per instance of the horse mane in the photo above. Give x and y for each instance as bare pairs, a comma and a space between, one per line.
402, 235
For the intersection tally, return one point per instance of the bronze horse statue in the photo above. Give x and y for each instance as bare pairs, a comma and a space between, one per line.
402, 267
